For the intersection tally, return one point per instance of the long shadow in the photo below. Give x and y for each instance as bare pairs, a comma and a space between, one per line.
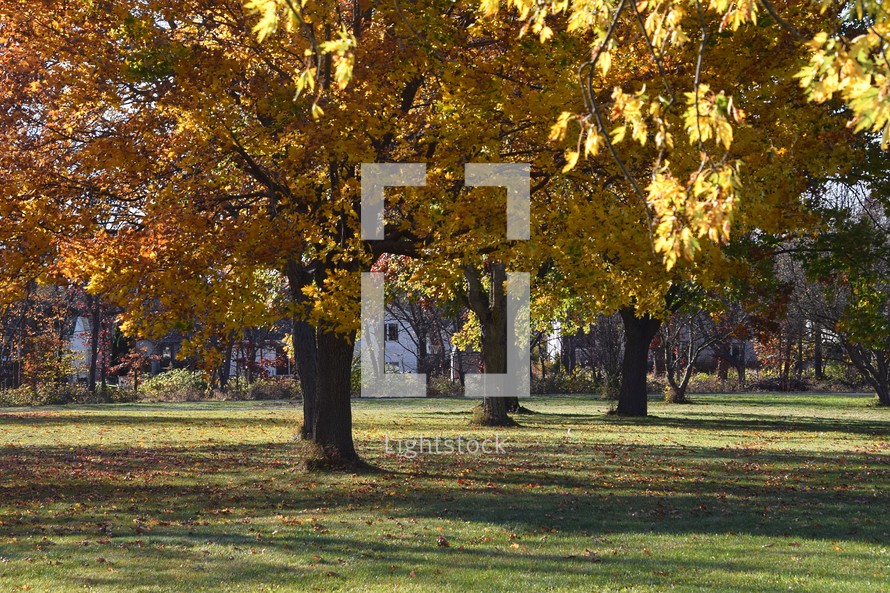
116, 420
756, 422
624, 488
390, 562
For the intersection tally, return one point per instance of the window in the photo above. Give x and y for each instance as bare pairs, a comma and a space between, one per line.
392, 332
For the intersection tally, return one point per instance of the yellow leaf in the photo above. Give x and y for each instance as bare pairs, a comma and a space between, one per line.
571, 160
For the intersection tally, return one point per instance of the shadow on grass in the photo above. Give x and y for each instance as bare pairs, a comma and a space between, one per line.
762, 422
571, 487
140, 418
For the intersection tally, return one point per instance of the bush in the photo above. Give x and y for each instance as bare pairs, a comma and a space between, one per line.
705, 383
264, 388
442, 385
654, 383
117, 395
50, 394
842, 377
582, 381
174, 385
610, 387
775, 384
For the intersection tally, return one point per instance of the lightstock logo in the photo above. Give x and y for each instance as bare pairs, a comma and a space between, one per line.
376, 382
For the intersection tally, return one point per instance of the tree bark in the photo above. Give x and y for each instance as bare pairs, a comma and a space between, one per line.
306, 357
874, 365
95, 327
883, 394
491, 309
568, 355
332, 428
638, 332
305, 348
740, 371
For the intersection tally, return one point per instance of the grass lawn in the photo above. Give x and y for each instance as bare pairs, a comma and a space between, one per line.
736, 493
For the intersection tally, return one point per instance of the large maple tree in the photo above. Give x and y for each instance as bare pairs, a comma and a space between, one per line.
197, 158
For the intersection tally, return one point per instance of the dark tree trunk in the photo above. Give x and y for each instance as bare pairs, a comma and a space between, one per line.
873, 365
332, 429
95, 327
786, 365
491, 309
800, 361
305, 348
883, 394
494, 355
568, 354
306, 358
423, 356
494, 412
740, 371
638, 334
512, 405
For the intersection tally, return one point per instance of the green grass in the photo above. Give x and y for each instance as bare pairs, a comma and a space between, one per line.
736, 493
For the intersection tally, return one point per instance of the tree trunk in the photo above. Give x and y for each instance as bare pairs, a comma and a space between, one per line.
874, 366
638, 332
568, 354
306, 358
677, 392
883, 394
512, 405
305, 348
332, 429
95, 326
786, 363
494, 355
423, 355
491, 310
676, 395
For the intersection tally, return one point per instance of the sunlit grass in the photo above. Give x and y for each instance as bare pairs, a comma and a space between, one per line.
735, 493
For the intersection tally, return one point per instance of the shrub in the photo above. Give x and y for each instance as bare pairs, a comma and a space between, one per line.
442, 385
775, 384
705, 383
582, 381
611, 386
654, 384
264, 388
48, 394
174, 385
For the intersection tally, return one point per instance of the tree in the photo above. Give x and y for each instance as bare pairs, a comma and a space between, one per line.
690, 332
845, 288
660, 194
197, 173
